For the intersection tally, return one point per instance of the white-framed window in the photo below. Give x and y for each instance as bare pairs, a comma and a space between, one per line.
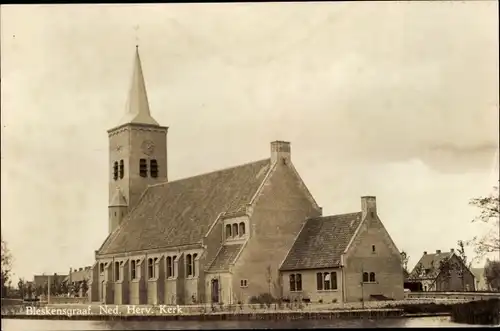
295, 282
326, 281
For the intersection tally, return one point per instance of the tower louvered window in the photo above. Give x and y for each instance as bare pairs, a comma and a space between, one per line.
115, 171
143, 168
122, 169
154, 168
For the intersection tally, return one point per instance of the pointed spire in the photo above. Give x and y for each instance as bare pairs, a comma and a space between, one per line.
137, 109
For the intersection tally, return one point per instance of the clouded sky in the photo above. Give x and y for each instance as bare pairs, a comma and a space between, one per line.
396, 100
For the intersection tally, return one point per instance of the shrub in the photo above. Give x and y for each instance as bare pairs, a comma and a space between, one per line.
264, 298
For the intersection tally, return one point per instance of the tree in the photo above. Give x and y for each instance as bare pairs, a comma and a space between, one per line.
84, 287
404, 261
22, 287
490, 212
6, 267
492, 274
464, 266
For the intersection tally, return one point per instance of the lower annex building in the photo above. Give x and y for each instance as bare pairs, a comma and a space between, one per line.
228, 235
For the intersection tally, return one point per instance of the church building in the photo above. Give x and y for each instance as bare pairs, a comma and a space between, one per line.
228, 235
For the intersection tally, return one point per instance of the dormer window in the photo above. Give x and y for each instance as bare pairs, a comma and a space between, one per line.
228, 231
143, 168
235, 230
242, 229
153, 165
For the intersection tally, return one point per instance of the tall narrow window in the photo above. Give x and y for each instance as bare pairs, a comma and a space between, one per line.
150, 269
153, 166
122, 169
235, 230
372, 277
319, 281
117, 271
115, 170
242, 229
189, 265
133, 267
228, 231
194, 263
373, 248
173, 265
169, 267
334, 280
298, 282
143, 168
327, 276
101, 268
292, 282
365, 277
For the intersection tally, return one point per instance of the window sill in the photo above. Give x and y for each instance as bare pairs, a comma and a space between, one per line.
118, 281
191, 277
171, 278
136, 280
296, 291
370, 282
326, 291
152, 279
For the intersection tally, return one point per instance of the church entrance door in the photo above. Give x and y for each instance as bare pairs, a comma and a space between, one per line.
215, 290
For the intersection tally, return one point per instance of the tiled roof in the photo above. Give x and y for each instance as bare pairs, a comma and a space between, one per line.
431, 263
321, 242
225, 257
181, 212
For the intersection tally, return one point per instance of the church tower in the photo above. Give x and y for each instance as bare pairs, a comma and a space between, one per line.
137, 151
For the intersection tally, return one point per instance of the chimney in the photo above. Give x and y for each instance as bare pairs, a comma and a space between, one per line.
438, 251
452, 250
280, 151
369, 206
425, 252
80, 269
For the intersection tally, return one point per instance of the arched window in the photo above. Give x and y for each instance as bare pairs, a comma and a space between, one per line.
365, 277
194, 263
292, 282
122, 169
169, 267
189, 265
115, 171
228, 231
242, 229
143, 168
117, 271
372, 277
153, 166
133, 270
151, 269
235, 230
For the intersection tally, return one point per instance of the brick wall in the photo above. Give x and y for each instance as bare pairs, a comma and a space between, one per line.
385, 262
278, 216
309, 287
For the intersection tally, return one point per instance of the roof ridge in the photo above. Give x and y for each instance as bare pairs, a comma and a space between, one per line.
330, 216
210, 172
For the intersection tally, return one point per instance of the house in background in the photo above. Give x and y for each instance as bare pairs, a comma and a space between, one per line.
344, 258
442, 271
481, 284
76, 279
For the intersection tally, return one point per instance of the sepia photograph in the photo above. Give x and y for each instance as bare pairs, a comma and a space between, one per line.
250, 165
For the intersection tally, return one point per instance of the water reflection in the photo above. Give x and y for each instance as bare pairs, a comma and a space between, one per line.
27, 325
